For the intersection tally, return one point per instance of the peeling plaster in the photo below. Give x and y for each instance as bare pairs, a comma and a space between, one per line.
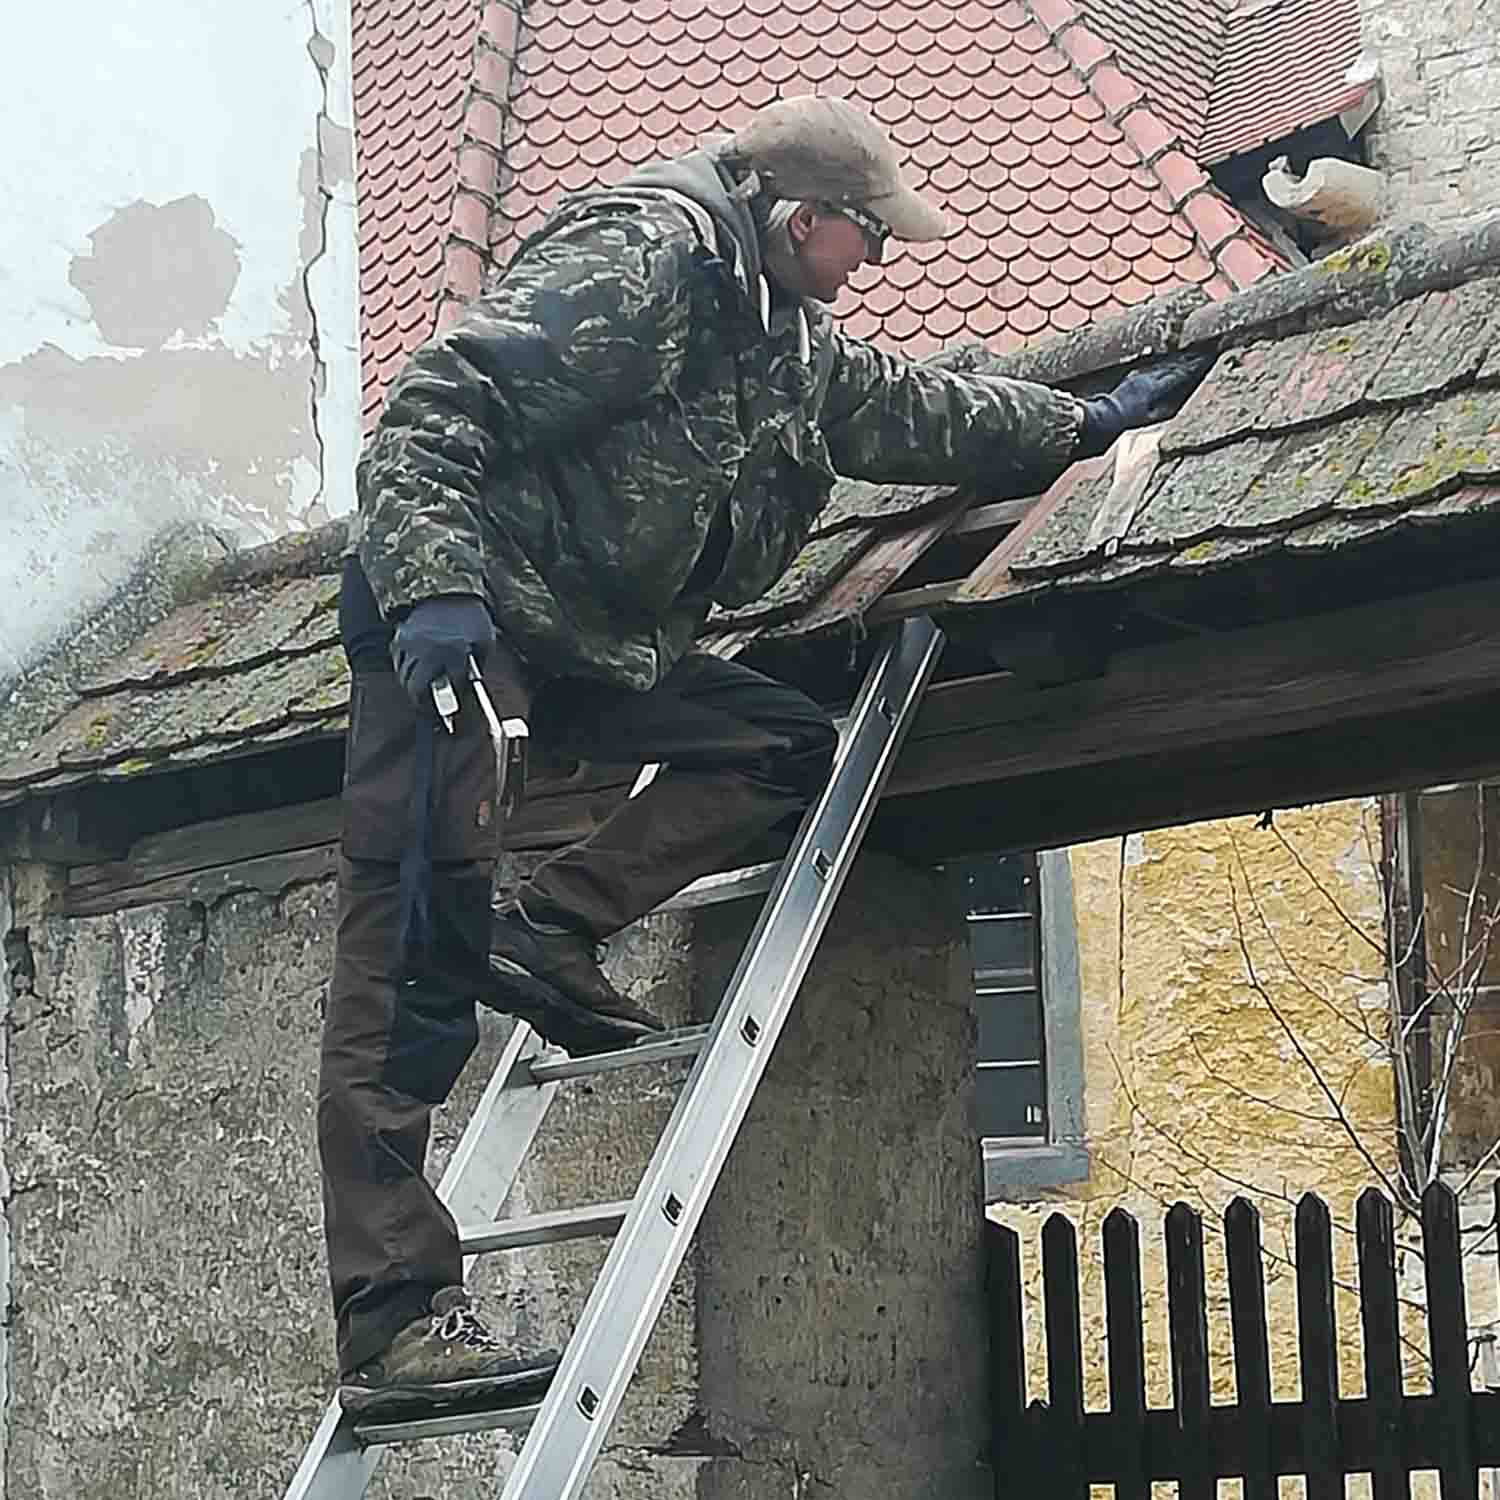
143, 946
178, 342
155, 271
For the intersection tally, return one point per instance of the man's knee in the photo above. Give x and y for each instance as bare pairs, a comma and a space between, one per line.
805, 764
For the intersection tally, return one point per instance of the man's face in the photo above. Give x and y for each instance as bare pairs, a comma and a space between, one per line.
830, 249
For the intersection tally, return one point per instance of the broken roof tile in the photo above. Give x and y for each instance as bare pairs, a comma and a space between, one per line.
1063, 538
815, 568
855, 503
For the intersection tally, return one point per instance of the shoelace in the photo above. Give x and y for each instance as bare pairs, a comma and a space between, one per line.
460, 1325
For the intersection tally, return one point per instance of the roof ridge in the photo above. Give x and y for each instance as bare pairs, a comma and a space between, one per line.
1225, 236
467, 253
296, 554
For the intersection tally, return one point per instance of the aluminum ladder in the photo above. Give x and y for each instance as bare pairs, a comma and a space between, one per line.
652, 1231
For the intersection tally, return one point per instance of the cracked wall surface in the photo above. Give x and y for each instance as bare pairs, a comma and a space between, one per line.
179, 331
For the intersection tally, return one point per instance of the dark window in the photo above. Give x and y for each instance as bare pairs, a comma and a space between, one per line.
1001, 894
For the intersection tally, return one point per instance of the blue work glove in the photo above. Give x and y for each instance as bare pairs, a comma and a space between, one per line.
437, 638
1143, 397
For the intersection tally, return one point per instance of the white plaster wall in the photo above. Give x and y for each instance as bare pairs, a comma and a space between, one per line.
1437, 134
178, 288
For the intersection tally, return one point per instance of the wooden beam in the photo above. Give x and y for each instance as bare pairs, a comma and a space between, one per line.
1212, 693
220, 841
1420, 745
918, 601
991, 517
270, 875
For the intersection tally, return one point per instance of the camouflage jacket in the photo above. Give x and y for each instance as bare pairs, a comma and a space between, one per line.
611, 439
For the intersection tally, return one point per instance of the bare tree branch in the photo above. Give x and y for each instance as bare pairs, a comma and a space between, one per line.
1327, 895
1339, 1014
1289, 1031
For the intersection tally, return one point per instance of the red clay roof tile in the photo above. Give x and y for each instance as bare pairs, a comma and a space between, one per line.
1205, 65
1009, 111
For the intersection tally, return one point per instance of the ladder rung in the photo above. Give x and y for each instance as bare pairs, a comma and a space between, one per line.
729, 885
371, 1434
675, 1044
544, 1229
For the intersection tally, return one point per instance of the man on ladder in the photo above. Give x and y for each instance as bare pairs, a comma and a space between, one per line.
642, 418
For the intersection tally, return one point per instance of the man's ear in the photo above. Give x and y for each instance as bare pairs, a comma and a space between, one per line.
800, 225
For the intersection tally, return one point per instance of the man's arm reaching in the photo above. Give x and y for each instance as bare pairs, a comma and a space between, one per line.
894, 421
890, 420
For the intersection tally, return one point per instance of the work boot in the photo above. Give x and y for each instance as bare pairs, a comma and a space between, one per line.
445, 1357
550, 978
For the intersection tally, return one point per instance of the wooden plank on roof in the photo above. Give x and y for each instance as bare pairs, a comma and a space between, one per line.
980, 581
858, 594
993, 574
180, 863
918, 601
1002, 514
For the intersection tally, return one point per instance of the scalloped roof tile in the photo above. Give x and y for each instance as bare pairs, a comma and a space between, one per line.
1204, 65
992, 104
431, 91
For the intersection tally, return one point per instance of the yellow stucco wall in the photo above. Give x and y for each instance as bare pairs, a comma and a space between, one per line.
1195, 1091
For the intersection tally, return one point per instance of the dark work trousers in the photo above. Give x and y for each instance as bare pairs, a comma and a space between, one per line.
740, 753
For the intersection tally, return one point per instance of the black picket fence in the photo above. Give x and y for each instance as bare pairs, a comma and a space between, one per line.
1385, 1433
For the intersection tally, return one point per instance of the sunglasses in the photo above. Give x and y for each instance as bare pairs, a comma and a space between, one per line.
875, 232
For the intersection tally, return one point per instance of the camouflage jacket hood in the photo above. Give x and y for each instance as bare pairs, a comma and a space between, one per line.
612, 438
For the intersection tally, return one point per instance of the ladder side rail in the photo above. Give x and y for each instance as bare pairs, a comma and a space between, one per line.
478, 1176
499, 1135
334, 1467
622, 1309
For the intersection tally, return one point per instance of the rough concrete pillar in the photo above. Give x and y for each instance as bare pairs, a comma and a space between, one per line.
841, 1330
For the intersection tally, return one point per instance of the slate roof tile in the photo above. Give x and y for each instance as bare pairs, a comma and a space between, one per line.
1315, 440
855, 504
1193, 499
133, 729
226, 633
1442, 345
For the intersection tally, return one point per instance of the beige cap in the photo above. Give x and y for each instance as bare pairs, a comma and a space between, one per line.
815, 148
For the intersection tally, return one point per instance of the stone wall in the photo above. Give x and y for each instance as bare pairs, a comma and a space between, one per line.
168, 1334
1436, 137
